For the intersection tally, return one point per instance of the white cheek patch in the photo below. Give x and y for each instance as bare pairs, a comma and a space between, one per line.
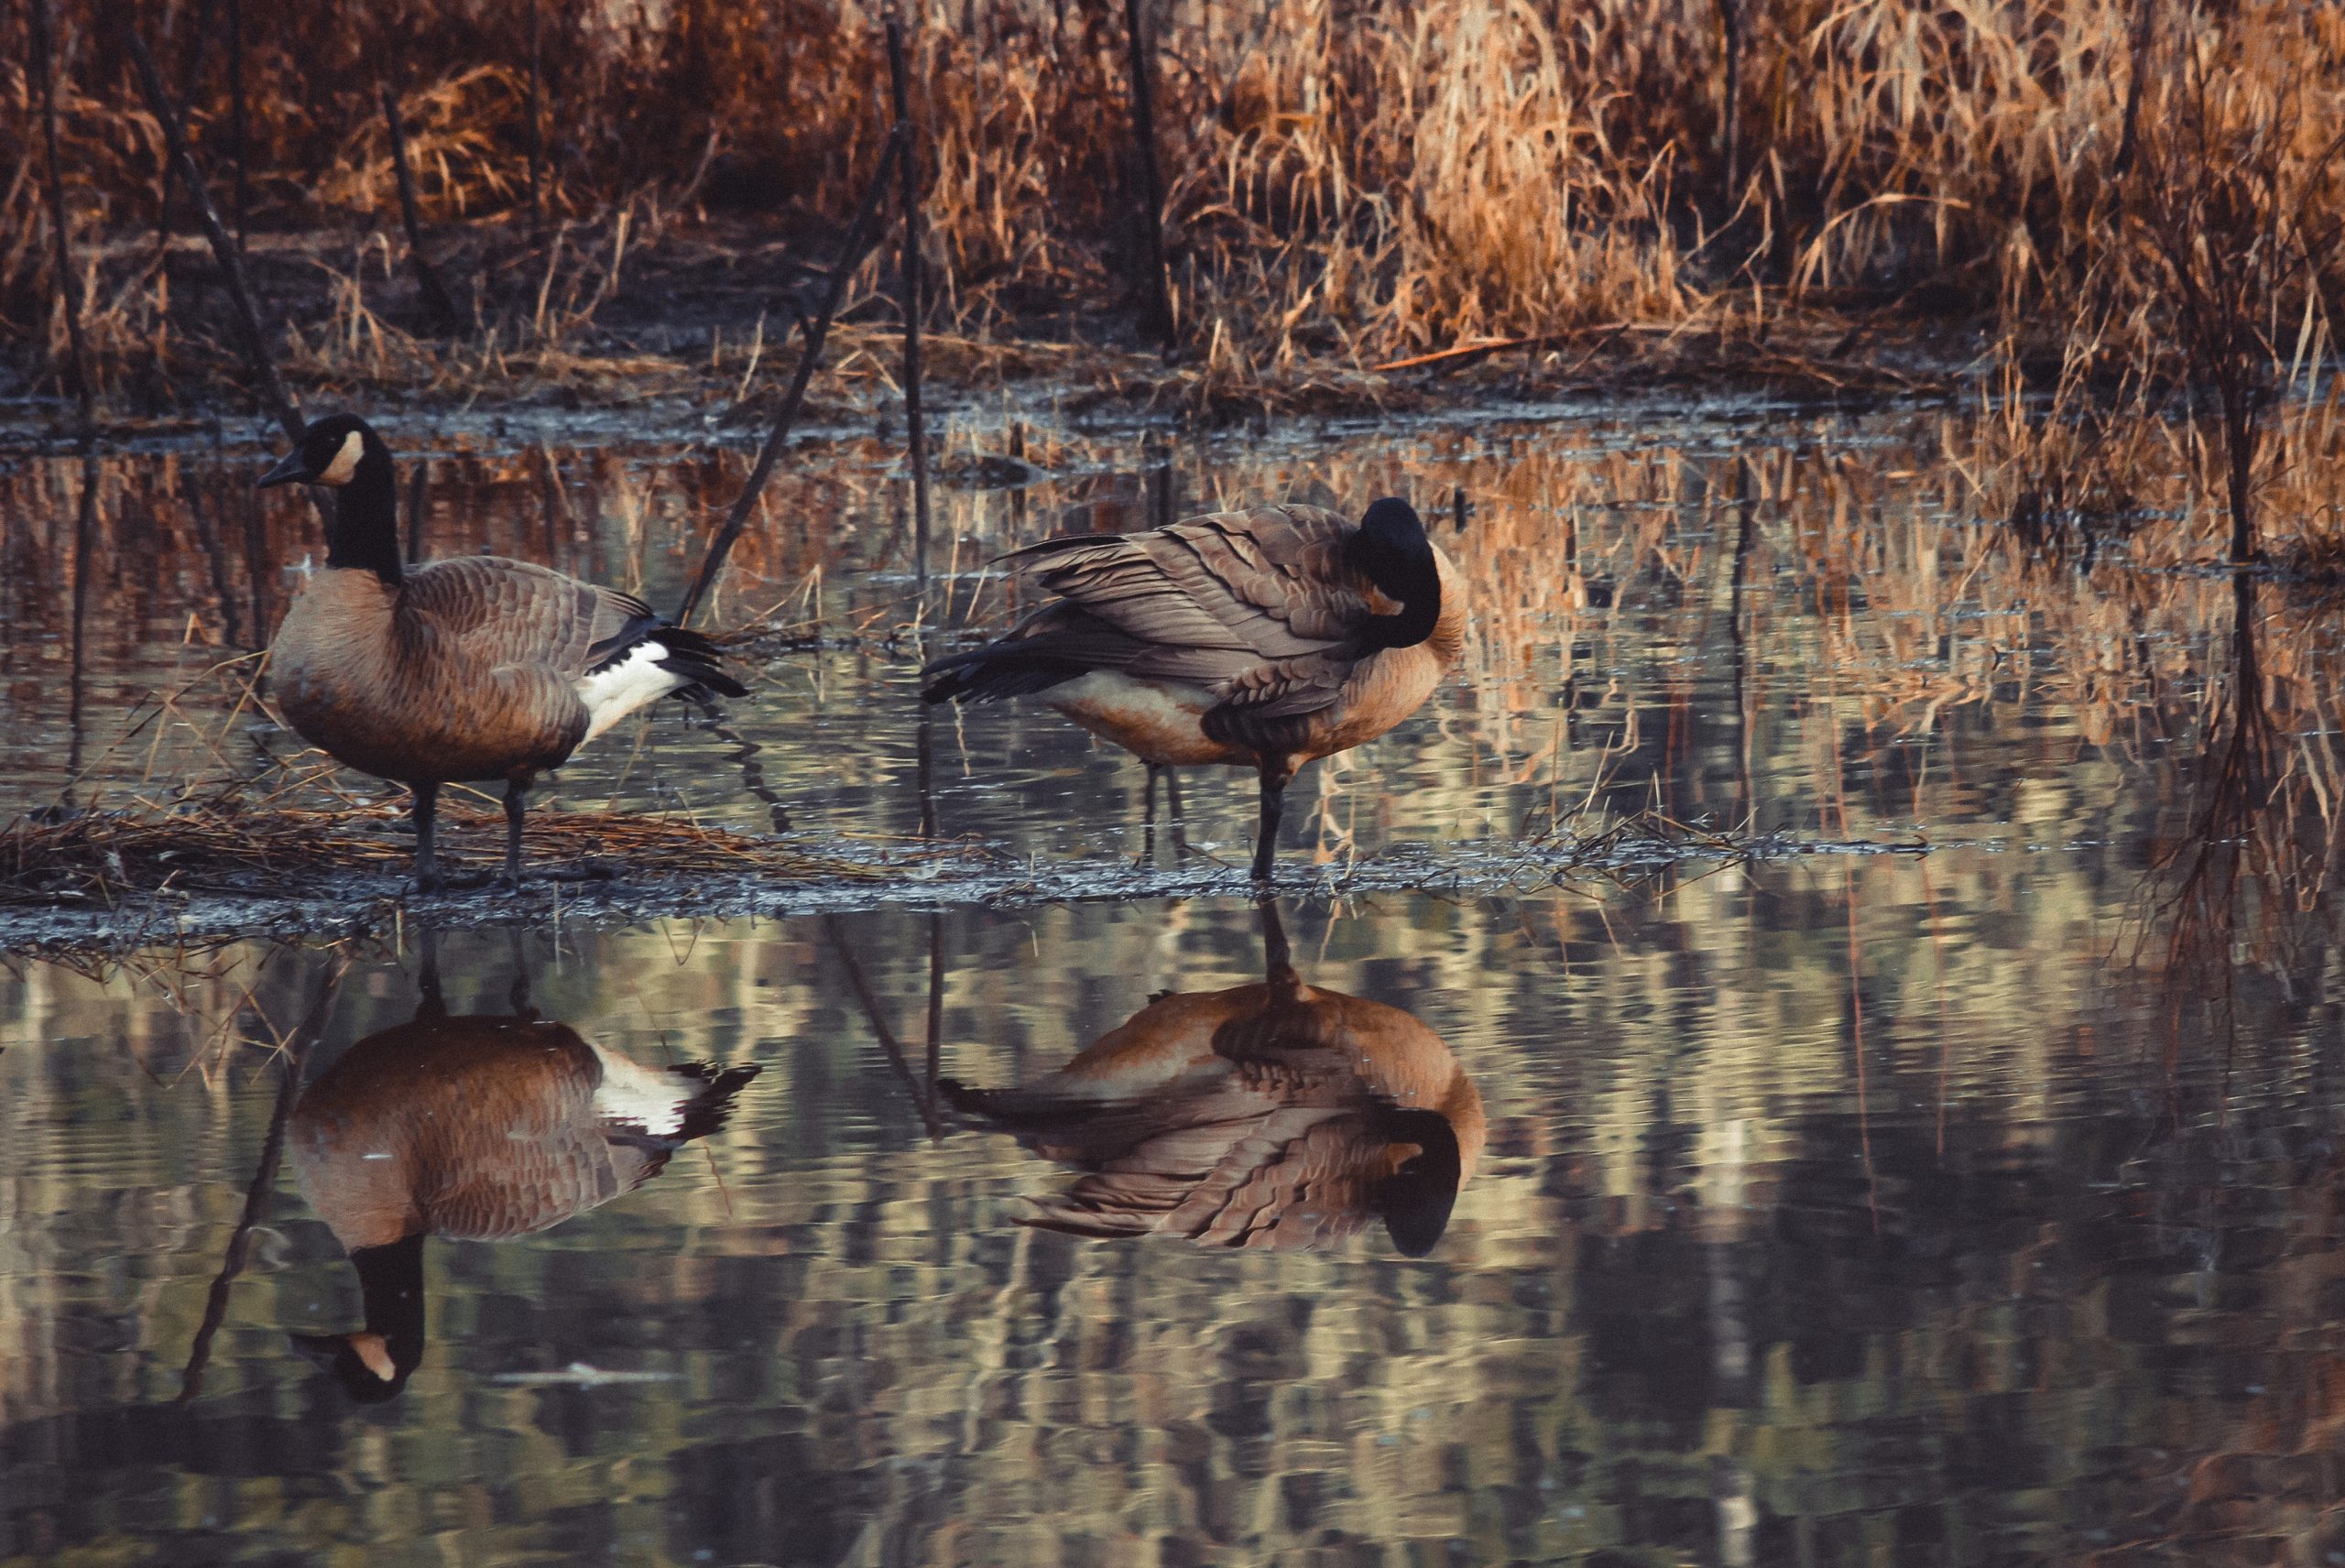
346, 462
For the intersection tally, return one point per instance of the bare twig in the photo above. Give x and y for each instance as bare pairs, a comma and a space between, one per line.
427, 276
158, 99
852, 248
537, 120
236, 114
1153, 285
258, 1196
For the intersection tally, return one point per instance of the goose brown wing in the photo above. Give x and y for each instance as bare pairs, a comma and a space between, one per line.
501, 611
1291, 1176
1257, 606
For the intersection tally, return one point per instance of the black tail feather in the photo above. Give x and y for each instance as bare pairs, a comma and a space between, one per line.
707, 1111
998, 671
689, 654
694, 656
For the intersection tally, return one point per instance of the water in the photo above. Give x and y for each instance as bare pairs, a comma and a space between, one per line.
1974, 1206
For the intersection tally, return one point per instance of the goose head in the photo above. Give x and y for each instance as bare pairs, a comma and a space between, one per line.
373, 1364
1391, 549
342, 452
331, 451
1414, 1201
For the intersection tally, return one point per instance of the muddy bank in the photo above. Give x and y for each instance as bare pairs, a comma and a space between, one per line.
354, 904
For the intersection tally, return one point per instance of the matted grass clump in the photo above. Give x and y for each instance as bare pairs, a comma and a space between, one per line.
106, 856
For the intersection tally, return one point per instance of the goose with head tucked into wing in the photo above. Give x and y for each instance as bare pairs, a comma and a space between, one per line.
1276, 1115
1264, 638
477, 670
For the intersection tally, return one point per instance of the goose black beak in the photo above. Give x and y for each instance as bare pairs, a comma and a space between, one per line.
291, 471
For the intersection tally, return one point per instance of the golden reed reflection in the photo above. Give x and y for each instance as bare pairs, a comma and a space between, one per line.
479, 1126
1269, 1115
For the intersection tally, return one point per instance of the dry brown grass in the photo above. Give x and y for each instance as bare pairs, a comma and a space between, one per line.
1348, 186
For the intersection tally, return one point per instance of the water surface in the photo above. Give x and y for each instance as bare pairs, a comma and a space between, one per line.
1974, 1206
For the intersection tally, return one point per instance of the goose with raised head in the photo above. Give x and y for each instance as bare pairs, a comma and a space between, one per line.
1264, 638
478, 670
1276, 1115
483, 1127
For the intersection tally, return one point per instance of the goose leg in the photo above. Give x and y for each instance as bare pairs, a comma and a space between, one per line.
430, 1002
1179, 818
1275, 776
517, 796
1147, 817
427, 855
518, 994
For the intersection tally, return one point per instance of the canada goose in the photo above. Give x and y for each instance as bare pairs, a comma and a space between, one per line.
468, 670
1272, 1115
1262, 638
480, 1126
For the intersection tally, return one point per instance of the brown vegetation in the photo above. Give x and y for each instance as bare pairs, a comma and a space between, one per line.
1346, 186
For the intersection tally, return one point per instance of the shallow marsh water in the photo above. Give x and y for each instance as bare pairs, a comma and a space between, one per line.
1974, 1206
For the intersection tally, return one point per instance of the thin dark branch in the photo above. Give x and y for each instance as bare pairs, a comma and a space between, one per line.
435, 293
1154, 287
537, 119
887, 1040
159, 99
258, 1196
859, 235
236, 114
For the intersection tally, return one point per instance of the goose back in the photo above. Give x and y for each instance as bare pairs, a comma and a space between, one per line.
1221, 639
1272, 1115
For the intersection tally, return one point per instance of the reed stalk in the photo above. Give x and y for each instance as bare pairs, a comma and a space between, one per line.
68, 282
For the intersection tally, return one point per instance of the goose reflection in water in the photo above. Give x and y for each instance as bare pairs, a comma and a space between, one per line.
483, 1127
1272, 1115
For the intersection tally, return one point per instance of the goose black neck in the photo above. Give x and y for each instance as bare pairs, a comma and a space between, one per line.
366, 532
1415, 1200
1391, 549
1410, 576
390, 1280
1420, 613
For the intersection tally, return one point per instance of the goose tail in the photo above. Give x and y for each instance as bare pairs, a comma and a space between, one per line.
711, 1105
692, 657
993, 672
664, 1108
